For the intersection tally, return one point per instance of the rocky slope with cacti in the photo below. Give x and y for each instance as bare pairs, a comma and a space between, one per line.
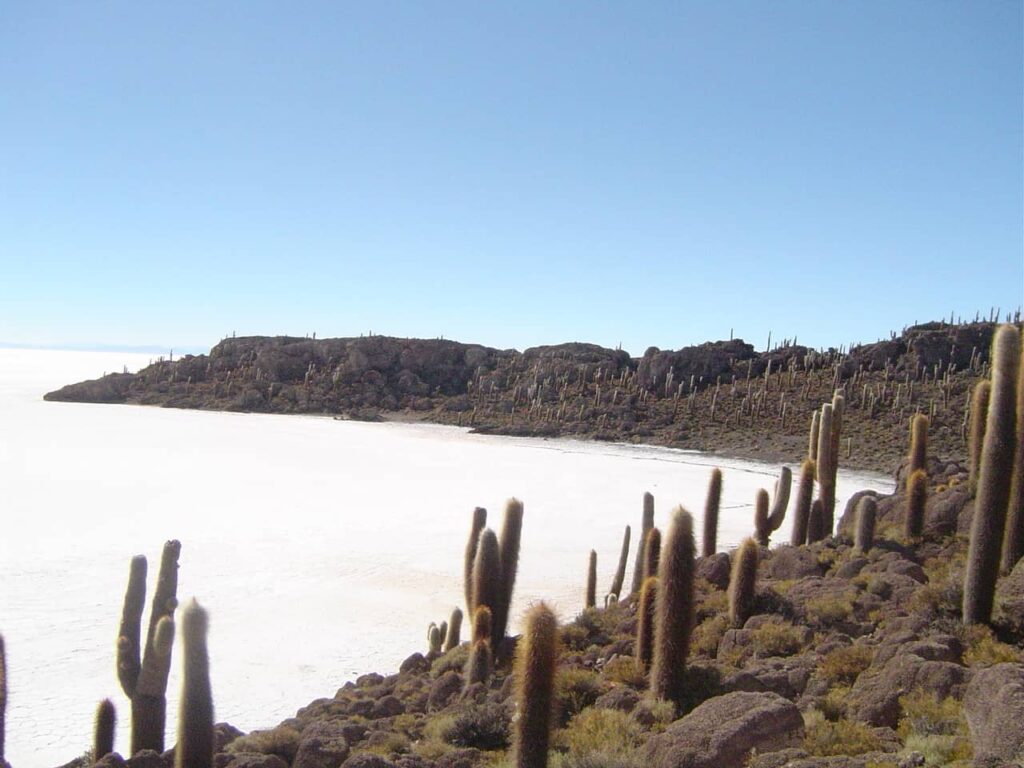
719, 396
889, 634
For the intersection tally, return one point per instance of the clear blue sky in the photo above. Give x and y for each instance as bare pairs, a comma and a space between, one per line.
516, 174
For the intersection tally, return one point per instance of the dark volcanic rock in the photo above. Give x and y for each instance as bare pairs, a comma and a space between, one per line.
323, 745
994, 705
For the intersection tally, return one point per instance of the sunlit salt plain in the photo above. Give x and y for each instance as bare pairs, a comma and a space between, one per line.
322, 548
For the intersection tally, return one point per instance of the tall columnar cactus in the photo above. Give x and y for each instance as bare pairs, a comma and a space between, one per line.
103, 733
829, 502
646, 523
481, 656
195, 715
918, 444
867, 509
487, 585
476, 527
780, 502
454, 630
1013, 541
646, 623
917, 497
674, 609
997, 458
620, 570
508, 549
3, 697
145, 681
825, 463
743, 583
652, 553
535, 685
709, 542
591, 596
802, 505
816, 522
976, 433
812, 447
762, 528
433, 639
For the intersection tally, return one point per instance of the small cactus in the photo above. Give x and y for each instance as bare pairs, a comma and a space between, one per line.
917, 496
103, 733
591, 596
762, 527
195, 715
480, 663
743, 583
709, 542
646, 623
976, 432
620, 571
802, 505
781, 500
646, 523
477, 526
454, 630
867, 508
652, 553
433, 639
535, 684
997, 458
918, 444
675, 609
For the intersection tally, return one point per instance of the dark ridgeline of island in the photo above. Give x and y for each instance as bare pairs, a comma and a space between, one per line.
717, 396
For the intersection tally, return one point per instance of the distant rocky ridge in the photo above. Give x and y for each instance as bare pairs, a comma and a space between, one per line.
720, 395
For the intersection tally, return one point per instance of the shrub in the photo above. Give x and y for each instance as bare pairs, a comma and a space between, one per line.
935, 727
833, 706
388, 744
843, 737
830, 609
603, 731
576, 689
844, 665
984, 650
454, 659
777, 638
282, 741
625, 670
707, 636
482, 727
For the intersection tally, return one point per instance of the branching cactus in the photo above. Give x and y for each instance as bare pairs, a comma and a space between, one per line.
802, 505
535, 685
762, 527
674, 609
145, 681
867, 509
743, 583
646, 623
477, 526
780, 502
103, 733
620, 571
454, 630
709, 542
652, 553
997, 458
646, 523
591, 596
195, 716
917, 497
976, 433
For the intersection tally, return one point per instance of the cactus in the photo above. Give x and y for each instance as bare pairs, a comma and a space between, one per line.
487, 572
646, 523
433, 639
454, 630
762, 528
508, 550
997, 458
103, 733
976, 433
1013, 540
828, 503
3, 697
145, 681
802, 505
620, 571
865, 535
675, 609
743, 583
481, 656
826, 474
917, 495
709, 542
195, 715
591, 597
781, 501
652, 553
918, 444
645, 623
535, 683
815, 523
477, 526
812, 447
442, 631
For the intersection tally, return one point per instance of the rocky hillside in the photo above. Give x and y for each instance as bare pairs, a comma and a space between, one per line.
718, 396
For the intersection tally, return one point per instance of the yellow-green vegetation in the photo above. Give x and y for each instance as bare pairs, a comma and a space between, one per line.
783, 586
844, 665
659, 713
389, 744
983, 649
480, 727
842, 737
708, 635
833, 705
777, 638
625, 670
455, 659
710, 600
600, 737
576, 689
830, 609
937, 728
282, 741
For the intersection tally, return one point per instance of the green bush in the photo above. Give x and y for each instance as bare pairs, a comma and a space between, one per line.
844, 665
282, 741
485, 727
777, 638
843, 737
576, 689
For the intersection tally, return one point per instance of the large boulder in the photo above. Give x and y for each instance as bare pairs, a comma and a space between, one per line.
323, 745
994, 705
726, 730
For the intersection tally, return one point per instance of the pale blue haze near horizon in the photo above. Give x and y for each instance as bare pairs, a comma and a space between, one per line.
643, 174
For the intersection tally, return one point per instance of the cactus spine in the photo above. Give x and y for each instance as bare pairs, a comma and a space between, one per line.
674, 609
743, 583
646, 623
103, 733
620, 571
997, 458
802, 505
918, 443
976, 433
652, 553
647, 522
476, 527
917, 496
508, 550
762, 528
1013, 541
709, 541
781, 500
145, 681
454, 630
591, 597
864, 538
535, 683
195, 714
